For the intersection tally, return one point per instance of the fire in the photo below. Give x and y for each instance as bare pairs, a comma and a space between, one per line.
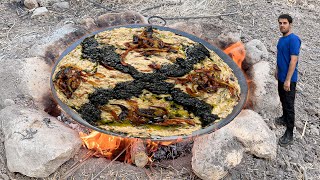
104, 144
108, 146
237, 52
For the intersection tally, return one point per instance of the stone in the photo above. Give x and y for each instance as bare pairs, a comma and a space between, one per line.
89, 24
214, 154
115, 19
226, 39
52, 46
245, 128
40, 11
293, 155
4, 177
31, 4
24, 78
60, 6
55, 43
256, 51
47, 2
205, 31
309, 158
314, 130
263, 91
194, 29
253, 132
8, 102
36, 144
15, 1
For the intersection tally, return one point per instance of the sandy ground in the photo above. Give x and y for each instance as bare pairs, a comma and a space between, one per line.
252, 19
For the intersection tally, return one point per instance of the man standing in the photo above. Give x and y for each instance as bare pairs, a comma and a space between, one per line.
288, 49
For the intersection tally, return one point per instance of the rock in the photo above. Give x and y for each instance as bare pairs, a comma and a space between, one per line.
89, 24
194, 29
308, 158
252, 131
41, 11
264, 88
55, 43
114, 19
24, 78
311, 7
299, 125
15, 1
4, 177
60, 6
214, 154
293, 155
205, 31
47, 2
314, 130
31, 4
312, 111
36, 144
256, 51
8, 102
226, 39
52, 46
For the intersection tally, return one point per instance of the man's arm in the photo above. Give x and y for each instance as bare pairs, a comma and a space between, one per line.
292, 66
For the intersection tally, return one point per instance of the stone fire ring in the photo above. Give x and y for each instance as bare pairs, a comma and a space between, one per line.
209, 129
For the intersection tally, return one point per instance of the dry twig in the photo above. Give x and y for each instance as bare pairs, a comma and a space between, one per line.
8, 32
111, 161
200, 17
148, 174
77, 165
304, 129
300, 167
158, 6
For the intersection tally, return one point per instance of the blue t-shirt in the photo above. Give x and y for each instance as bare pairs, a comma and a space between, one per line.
287, 46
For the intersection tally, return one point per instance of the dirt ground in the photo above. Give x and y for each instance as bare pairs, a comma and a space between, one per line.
253, 19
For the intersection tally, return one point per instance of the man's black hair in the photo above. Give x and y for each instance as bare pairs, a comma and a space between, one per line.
285, 16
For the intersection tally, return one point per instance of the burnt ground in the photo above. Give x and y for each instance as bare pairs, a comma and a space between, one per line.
253, 19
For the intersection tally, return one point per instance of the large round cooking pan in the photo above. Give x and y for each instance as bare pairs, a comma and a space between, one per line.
210, 128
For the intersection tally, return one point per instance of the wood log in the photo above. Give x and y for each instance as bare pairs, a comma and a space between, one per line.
139, 156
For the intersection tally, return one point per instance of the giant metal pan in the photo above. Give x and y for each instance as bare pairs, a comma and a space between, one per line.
211, 128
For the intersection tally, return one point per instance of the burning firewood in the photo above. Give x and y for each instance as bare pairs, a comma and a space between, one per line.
138, 153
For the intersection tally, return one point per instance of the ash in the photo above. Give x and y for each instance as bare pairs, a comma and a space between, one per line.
173, 151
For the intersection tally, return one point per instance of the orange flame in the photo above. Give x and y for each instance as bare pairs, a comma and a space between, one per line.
102, 143
237, 52
110, 146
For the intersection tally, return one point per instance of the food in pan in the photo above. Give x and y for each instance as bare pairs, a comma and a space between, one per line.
145, 82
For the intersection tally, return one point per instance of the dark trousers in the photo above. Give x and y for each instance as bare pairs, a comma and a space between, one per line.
287, 101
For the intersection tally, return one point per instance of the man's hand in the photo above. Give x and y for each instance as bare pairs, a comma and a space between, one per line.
286, 86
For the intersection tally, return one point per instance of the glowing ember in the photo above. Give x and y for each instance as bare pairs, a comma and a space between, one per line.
237, 52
